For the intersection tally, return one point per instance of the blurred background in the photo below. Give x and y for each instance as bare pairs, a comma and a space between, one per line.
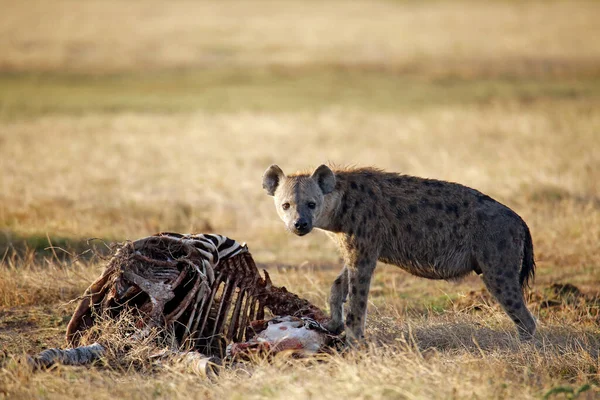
119, 119
122, 118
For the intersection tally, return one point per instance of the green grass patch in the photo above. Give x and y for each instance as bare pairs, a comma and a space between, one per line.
26, 94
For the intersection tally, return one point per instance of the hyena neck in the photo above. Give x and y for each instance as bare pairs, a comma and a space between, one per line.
329, 219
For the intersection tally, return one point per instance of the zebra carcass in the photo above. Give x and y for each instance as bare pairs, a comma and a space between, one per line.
204, 291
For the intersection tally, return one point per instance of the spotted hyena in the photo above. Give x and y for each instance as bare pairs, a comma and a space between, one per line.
430, 228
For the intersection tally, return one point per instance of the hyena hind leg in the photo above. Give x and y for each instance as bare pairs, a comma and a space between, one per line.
503, 283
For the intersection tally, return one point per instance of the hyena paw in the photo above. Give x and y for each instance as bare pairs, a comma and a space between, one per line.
334, 327
526, 336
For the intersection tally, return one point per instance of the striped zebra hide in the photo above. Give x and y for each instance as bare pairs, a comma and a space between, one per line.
202, 289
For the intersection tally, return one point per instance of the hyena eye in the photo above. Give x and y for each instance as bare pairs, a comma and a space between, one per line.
285, 206
312, 205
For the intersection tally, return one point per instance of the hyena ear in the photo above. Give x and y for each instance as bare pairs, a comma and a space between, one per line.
325, 178
271, 179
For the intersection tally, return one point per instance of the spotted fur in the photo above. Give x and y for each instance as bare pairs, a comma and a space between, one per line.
430, 228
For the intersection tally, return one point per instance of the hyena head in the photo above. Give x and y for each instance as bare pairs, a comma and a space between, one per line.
299, 199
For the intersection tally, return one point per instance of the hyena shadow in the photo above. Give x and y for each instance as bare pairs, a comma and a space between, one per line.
467, 336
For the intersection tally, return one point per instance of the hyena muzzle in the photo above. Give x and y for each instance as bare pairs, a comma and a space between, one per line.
430, 228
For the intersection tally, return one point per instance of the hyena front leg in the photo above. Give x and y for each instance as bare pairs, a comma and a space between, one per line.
359, 282
337, 298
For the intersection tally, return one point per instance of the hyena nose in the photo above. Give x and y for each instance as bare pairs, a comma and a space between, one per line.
300, 224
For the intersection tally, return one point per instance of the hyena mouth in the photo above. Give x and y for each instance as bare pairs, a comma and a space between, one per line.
300, 232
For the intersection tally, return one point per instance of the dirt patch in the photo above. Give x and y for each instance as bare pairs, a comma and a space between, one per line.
32, 329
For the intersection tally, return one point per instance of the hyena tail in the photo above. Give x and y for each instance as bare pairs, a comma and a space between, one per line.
528, 266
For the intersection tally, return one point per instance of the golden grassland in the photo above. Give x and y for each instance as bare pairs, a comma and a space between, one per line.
120, 119
439, 36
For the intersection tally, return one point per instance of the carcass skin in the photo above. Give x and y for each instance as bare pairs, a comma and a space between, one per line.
302, 336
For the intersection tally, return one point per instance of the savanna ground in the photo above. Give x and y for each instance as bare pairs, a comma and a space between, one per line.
120, 119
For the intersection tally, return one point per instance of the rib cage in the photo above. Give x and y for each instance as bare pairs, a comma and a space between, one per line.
205, 289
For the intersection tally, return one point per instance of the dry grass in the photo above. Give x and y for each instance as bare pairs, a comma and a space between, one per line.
497, 37
125, 175
121, 119
466, 348
401, 371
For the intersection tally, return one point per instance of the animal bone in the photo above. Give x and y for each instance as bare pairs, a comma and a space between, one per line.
202, 290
